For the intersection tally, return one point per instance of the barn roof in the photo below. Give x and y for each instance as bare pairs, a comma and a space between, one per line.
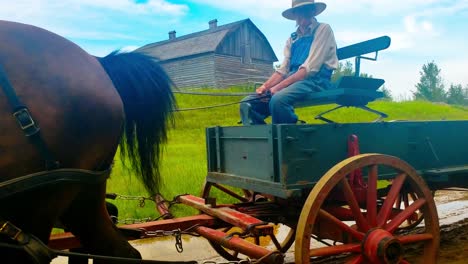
192, 44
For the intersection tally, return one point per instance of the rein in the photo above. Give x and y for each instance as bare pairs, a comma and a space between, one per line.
259, 97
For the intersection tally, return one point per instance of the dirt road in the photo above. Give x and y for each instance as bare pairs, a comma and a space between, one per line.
453, 217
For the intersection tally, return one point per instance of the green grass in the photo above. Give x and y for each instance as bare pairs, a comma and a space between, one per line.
184, 158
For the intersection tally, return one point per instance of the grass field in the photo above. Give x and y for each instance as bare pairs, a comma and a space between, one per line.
184, 158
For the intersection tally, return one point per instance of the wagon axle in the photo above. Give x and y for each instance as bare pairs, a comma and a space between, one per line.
380, 247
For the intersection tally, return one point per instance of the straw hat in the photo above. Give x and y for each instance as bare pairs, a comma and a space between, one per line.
300, 4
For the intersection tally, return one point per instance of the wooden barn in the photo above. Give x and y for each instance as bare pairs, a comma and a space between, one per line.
221, 56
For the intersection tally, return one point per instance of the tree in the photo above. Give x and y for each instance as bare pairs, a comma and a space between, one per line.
456, 95
343, 70
466, 95
347, 69
387, 94
430, 86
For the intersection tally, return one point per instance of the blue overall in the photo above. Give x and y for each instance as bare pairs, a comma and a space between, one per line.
280, 106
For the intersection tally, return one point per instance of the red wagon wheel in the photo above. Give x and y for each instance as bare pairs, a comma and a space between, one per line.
404, 200
227, 195
359, 230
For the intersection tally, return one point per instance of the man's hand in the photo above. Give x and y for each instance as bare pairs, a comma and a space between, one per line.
261, 90
275, 89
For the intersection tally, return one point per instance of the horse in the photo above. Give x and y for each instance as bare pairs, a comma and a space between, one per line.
61, 123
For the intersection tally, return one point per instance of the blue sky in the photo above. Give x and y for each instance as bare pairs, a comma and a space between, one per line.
421, 30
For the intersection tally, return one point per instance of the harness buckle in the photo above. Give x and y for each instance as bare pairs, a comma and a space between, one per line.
10, 230
27, 124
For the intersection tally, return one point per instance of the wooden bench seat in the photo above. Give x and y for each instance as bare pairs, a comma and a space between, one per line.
352, 91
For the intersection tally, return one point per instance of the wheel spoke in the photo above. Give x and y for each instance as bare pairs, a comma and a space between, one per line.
276, 243
413, 196
392, 195
398, 202
409, 239
405, 199
406, 203
344, 227
404, 215
335, 250
372, 196
354, 206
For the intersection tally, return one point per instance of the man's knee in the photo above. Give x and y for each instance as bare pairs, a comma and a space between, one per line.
278, 100
245, 109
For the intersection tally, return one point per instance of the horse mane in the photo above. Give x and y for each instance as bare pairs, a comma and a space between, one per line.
148, 102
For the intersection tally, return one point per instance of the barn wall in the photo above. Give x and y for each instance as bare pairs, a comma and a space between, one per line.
192, 72
244, 56
260, 48
230, 70
247, 42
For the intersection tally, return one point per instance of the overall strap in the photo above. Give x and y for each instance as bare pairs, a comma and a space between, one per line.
300, 49
26, 122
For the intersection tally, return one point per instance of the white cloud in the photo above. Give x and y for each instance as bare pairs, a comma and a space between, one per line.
357, 7
453, 71
50, 12
410, 24
273, 8
427, 26
128, 48
400, 76
266, 9
129, 6
95, 20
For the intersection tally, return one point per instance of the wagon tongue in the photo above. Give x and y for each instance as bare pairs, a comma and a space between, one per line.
234, 241
244, 221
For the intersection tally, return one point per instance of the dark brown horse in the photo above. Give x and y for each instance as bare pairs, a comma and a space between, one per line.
84, 106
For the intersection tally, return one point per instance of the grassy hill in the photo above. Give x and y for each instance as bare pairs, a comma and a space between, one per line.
184, 159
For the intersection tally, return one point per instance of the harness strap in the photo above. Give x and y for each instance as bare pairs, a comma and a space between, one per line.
26, 122
38, 179
36, 250
42, 254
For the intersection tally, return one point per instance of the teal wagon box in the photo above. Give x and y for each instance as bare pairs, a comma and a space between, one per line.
285, 160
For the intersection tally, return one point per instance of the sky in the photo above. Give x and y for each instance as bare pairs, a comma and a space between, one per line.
422, 31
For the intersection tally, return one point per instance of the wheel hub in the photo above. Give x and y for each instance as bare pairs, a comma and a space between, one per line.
379, 246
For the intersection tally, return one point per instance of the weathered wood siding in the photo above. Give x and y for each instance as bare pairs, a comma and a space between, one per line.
216, 71
198, 71
234, 54
230, 70
247, 44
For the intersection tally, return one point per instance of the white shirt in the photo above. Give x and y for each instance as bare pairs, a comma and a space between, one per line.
322, 51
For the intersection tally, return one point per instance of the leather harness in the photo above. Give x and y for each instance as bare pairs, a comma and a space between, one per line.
15, 238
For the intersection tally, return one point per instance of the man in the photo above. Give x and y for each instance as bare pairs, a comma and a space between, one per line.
309, 61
